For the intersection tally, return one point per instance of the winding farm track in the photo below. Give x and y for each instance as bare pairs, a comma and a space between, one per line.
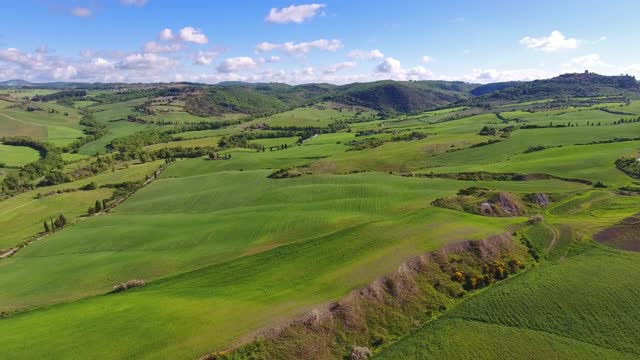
17, 207
14, 119
554, 240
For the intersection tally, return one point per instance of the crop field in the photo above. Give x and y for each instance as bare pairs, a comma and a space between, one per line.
53, 127
17, 155
116, 130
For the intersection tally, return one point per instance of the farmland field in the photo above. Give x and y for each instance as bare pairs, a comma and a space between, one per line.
17, 155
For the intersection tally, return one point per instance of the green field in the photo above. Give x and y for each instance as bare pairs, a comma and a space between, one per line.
17, 155
55, 128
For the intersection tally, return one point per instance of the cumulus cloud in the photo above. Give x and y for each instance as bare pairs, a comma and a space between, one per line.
332, 69
291, 48
366, 55
166, 35
294, 13
146, 61
154, 47
234, 64
138, 3
392, 68
204, 57
106, 66
102, 63
426, 59
190, 34
64, 72
554, 42
389, 66
81, 12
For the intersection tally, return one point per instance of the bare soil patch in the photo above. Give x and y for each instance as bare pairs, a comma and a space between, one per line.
625, 235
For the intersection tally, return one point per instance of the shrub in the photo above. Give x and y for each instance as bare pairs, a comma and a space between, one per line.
128, 285
458, 276
535, 148
90, 186
600, 185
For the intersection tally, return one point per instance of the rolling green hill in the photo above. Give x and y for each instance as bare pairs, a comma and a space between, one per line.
567, 85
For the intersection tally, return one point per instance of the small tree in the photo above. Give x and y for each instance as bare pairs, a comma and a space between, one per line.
46, 227
62, 220
98, 206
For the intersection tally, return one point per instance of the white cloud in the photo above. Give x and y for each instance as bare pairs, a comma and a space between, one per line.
64, 72
292, 48
493, 75
138, 3
294, 13
106, 67
166, 34
154, 47
205, 57
273, 59
392, 69
190, 34
81, 12
102, 63
14, 55
585, 61
332, 69
418, 72
144, 61
389, 66
366, 55
237, 64
426, 59
554, 42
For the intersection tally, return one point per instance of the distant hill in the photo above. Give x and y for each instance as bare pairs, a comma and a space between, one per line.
489, 88
567, 85
402, 96
390, 96
15, 83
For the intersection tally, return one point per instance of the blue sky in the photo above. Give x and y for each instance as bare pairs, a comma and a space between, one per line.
325, 41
